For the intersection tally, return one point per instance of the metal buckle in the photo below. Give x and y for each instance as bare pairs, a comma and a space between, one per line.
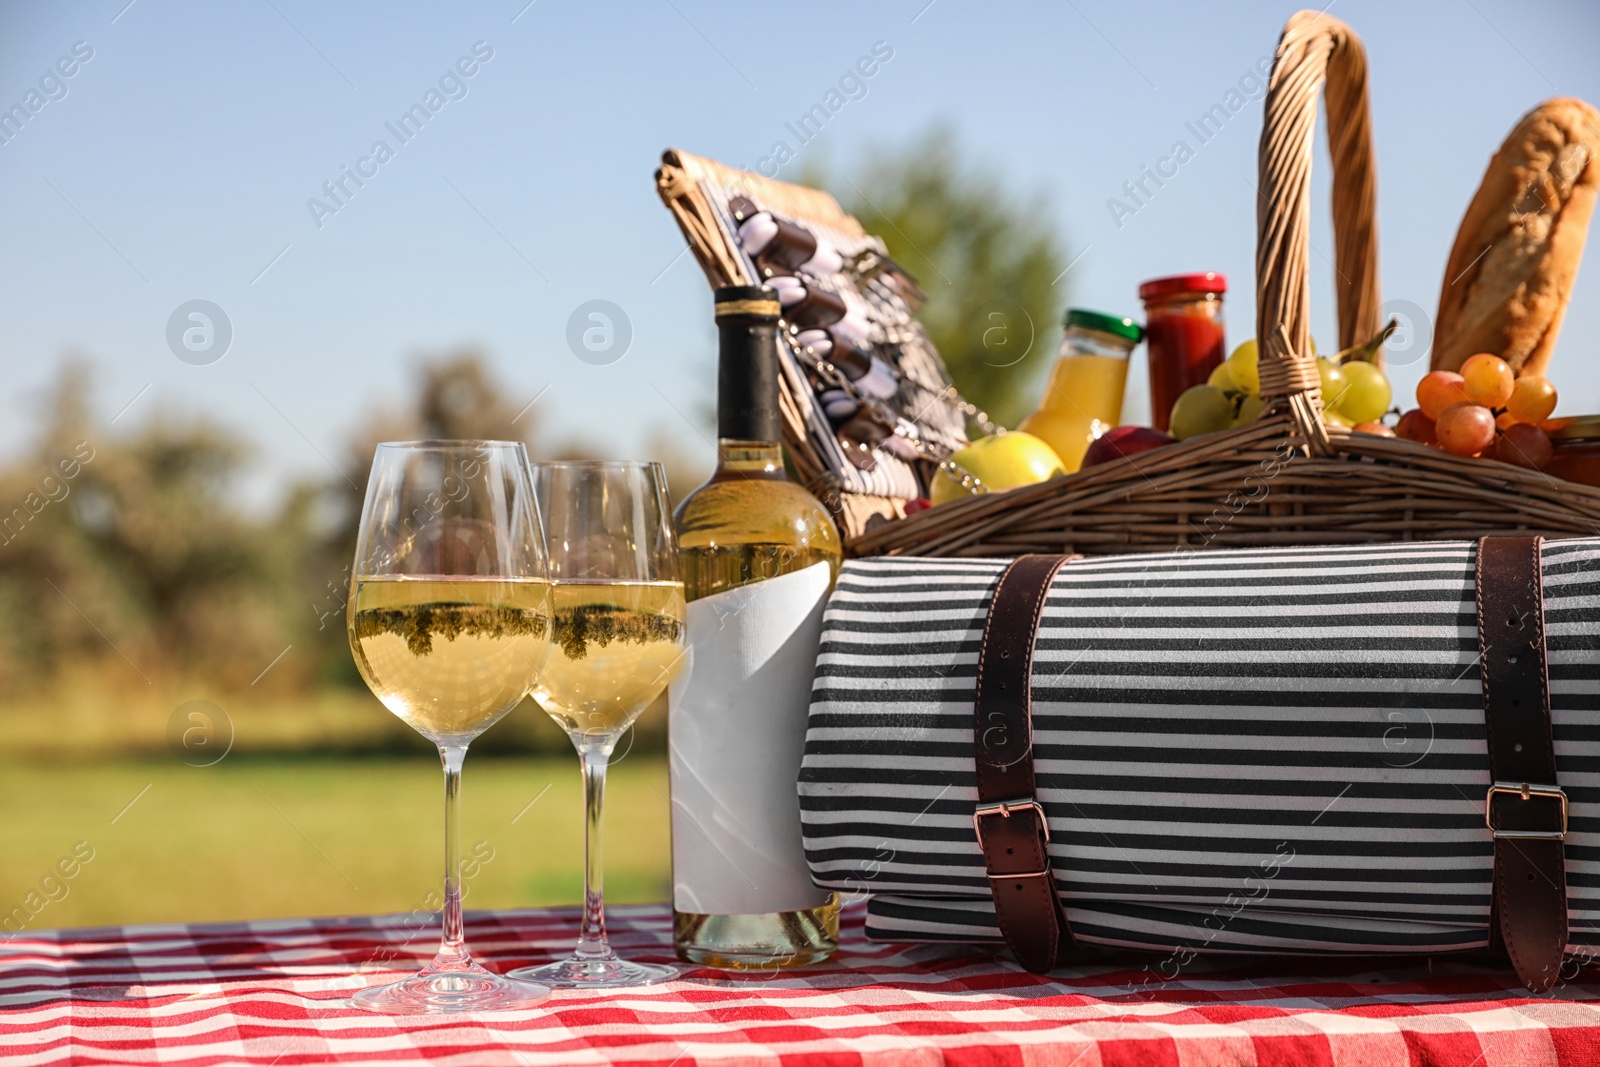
1004, 809
1526, 792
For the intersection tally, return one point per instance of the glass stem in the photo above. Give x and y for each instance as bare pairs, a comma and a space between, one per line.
452, 944
592, 938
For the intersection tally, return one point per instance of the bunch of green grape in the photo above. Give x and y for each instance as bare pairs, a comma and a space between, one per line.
1355, 395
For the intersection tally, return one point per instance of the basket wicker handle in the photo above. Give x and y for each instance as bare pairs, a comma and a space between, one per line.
1314, 49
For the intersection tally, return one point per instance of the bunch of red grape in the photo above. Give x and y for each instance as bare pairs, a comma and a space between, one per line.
1484, 410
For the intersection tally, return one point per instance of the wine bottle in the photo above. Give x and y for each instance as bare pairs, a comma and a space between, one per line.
759, 556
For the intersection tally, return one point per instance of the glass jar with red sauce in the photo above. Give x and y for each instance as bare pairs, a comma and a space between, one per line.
1183, 334
1577, 449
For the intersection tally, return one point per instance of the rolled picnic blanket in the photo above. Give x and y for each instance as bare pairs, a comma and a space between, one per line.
1274, 750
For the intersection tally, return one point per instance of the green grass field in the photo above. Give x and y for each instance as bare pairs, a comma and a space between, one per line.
265, 836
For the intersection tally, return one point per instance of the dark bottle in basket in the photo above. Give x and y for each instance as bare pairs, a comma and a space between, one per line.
759, 556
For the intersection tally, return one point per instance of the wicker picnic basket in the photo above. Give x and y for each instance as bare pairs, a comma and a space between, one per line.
1288, 478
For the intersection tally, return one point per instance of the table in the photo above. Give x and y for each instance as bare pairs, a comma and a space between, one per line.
274, 993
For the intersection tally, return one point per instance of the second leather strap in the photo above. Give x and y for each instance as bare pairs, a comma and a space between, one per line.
1526, 808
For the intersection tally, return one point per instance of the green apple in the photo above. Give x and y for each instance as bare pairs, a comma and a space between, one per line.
1200, 409
1334, 382
1250, 409
1004, 461
1367, 396
1244, 369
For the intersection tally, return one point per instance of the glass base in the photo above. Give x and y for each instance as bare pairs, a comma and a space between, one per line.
605, 973
457, 989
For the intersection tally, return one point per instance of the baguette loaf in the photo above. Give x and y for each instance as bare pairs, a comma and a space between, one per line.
1511, 270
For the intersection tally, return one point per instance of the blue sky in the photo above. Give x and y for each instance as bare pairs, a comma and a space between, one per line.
179, 163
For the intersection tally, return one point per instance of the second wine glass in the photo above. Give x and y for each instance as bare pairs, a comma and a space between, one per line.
617, 640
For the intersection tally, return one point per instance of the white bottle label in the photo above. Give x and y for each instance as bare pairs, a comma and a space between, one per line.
736, 728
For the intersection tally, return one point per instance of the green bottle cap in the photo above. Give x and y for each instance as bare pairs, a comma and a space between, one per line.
1099, 320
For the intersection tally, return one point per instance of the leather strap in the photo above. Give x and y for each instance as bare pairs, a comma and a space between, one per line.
1009, 821
1525, 809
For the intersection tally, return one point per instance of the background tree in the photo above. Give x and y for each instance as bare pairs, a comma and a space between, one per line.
985, 258
145, 565
456, 397
134, 555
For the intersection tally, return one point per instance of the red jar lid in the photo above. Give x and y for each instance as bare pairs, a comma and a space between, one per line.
1208, 282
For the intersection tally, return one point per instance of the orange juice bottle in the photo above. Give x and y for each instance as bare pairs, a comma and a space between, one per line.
1084, 396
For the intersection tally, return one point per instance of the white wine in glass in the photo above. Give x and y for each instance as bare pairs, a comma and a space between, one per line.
617, 645
617, 640
449, 655
450, 624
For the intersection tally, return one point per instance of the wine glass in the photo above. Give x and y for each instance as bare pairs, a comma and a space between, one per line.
618, 640
449, 621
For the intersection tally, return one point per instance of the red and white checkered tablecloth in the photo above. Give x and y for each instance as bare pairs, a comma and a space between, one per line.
275, 993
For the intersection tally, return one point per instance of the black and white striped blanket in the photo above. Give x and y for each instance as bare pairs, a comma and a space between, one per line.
1276, 750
